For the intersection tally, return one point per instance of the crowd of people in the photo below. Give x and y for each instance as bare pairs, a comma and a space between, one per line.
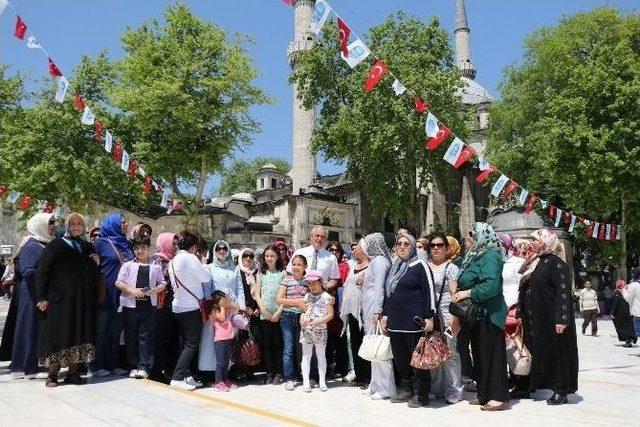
194, 315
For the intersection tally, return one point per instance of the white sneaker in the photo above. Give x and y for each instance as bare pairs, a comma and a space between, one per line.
120, 372
289, 386
17, 375
453, 400
323, 387
367, 391
182, 385
141, 374
102, 373
306, 388
89, 374
192, 381
42, 376
351, 376
377, 396
133, 373
30, 376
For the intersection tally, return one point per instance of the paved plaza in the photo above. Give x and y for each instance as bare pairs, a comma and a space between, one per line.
608, 395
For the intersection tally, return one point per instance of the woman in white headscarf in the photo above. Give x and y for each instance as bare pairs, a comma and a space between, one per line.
24, 355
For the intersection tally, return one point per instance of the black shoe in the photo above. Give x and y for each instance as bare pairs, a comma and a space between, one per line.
75, 379
405, 392
277, 379
268, 379
520, 394
418, 402
557, 399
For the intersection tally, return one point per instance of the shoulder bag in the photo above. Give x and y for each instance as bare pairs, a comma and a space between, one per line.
432, 350
518, 356
247, 352
465, 310
376, 347
201, 304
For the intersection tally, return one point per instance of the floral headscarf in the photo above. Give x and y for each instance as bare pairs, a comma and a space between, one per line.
484, 240
453, 249
400, 265
164, 244
374, 245
227, 262
549, 245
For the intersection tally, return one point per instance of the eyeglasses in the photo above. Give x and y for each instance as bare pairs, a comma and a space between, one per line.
406, 244
222, 248
248, 256
333, 250
436, 245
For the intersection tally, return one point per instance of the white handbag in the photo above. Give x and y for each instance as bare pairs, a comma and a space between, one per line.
376, 347
518, 356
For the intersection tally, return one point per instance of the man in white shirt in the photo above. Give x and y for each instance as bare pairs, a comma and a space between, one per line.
631, 294
319, 258
589, 308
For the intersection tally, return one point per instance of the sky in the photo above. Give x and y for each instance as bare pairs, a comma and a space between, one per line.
68, 29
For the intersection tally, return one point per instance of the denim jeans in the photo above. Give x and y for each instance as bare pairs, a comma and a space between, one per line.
108, 329
290, 324
636, 325
223, 349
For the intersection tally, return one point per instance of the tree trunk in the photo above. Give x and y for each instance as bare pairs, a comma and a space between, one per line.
621, 270
204, 173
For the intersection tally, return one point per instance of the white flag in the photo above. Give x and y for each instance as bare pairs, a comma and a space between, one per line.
483, 163
320, 14
124, 165
63, 86
608, 232
141, 172
596, 228
32, 43
13, 197
573, 223
108, 142
431, 126
358, 52
398, 87
499, 185
3, 5
88, 118
165, 198
454, 151
543, 203
523, 196
619, 232
558, 217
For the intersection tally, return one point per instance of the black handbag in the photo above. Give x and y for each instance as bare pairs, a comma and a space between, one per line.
464, 309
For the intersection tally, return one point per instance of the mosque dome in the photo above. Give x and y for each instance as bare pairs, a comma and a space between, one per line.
269, 166
245, 197
473, 93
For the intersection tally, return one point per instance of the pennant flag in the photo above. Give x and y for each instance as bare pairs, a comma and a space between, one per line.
398, 87
13, 197
531, 204
321, 12
63, 86
484, 175
601, 233
589, 229
558, 217
132, 169
618, 232
466, 155
141, 172
483, 164
124, 164
3, 5
3, 190
24, 202
431, 126
596, 228
53, 69
572, 224
108, 142
552, 211
40, 204
510, 189
499, 185
79, 103
97, 134
48, 207
117, 152
88, 118
441, 136
165, 198
580, 220
175, 207
358, 52
608, 232
32, 43
567, 217
343, 35
21, 28
453, 152
421, 105
523, 196
544, 204
376, 73
146, 188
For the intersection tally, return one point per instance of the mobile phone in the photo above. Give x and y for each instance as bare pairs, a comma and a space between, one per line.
145, 289
448, 333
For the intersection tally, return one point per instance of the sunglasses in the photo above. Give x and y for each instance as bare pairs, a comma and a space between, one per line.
436, 245
222, 248
248, 256
333, 250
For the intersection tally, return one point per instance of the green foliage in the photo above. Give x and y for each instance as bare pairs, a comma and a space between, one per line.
378, 135
240, 176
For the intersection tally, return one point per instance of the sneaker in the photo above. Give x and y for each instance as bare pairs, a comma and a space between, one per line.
88, 375
306, 388
17, 375
418, 402
351, 376
221, 387
102, 373
452, 400
42, 375
231, 385
323, 387
133, 373
377, 396
119, 372
277, 379
289, 386
182, 385
192, 381
367, 391
30, 376
141, 374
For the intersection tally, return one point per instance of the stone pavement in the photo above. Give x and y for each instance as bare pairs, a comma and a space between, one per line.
608, 394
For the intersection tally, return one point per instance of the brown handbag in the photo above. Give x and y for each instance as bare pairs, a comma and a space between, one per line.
247, 352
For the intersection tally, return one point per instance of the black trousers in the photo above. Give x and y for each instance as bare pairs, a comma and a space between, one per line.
190, 324
590, 316
337, 354
139, 336
167, 348
271, 346
361, 367
462, 345
490, 358
402, 345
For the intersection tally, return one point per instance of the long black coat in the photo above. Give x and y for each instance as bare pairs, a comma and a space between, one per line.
544, 302
622, 317
67, 278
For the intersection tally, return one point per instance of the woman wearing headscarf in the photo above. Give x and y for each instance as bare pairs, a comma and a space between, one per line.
481, 280
24, 354
382, 383
409, 294
66, 291
548, 321
453, 251
621, 316
248, 271
114, 250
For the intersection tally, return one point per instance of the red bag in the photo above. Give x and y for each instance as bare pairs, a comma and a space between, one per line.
247, 353
431, 352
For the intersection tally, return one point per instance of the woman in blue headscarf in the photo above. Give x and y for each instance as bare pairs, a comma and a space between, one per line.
114, 250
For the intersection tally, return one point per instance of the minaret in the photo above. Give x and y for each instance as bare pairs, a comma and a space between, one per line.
304, 162
463, 42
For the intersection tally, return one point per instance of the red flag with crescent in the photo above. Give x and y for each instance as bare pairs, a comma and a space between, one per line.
48, 207
3, 190
53, 69
21, 28
589, 231
465, 155
376, 73
147, 185
567, 217
421, 105
343, 34
531, 204
79, 103
484, 175
601, 232
614, 232
132, 168
441, 136
24, 202
511, 187
117, 151
552, 211
99, 129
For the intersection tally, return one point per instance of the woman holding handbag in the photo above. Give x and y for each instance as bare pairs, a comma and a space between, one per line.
481, 282
409, 308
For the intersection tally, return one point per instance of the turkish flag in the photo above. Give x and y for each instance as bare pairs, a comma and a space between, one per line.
48, 207
511, 187
376, 73
3, 190
146, 188
484, 175
465, 155
21, 28
567, 217
601, 232
531, 204
53, 69
24, 202
421, 106
581, 220
79, 103
117, 152
589, 230
552, 211
343, 35
442, 135
132, 169
614, 232
97, 134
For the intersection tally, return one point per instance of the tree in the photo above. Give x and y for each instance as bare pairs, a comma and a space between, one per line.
240, 176
568, 124
379, 136
186, 88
